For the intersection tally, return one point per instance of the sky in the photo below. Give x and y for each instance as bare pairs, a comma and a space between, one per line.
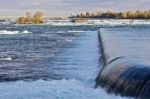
55, 8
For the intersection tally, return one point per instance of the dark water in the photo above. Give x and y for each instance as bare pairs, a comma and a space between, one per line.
127, 61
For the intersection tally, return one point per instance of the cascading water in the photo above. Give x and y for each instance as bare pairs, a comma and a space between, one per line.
50, 62
126, 70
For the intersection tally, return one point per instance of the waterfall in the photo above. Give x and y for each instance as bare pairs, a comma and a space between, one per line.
120, 73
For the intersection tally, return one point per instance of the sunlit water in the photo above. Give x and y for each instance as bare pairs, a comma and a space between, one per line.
50, 62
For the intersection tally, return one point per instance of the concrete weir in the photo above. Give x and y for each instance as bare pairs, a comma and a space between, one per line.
122, 72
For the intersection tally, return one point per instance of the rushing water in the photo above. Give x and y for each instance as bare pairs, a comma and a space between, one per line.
127, 65
41, 52
50, 62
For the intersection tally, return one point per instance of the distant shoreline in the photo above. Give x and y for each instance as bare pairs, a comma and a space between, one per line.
82, 20
114, 15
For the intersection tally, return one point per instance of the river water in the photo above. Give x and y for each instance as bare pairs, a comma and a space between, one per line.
50, 62
127, 66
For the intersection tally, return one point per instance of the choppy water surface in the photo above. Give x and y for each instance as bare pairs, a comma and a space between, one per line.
39, 52
50, 62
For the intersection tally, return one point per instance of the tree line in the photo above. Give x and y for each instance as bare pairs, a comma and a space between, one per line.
30, 18
115, 15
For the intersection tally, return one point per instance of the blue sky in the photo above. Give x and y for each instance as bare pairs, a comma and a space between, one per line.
66, 7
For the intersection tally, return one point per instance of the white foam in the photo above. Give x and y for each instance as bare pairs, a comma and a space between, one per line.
55, 89
103, 22
8, 32
116, 22
6, 59
26, 31
68, 40
13, 32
